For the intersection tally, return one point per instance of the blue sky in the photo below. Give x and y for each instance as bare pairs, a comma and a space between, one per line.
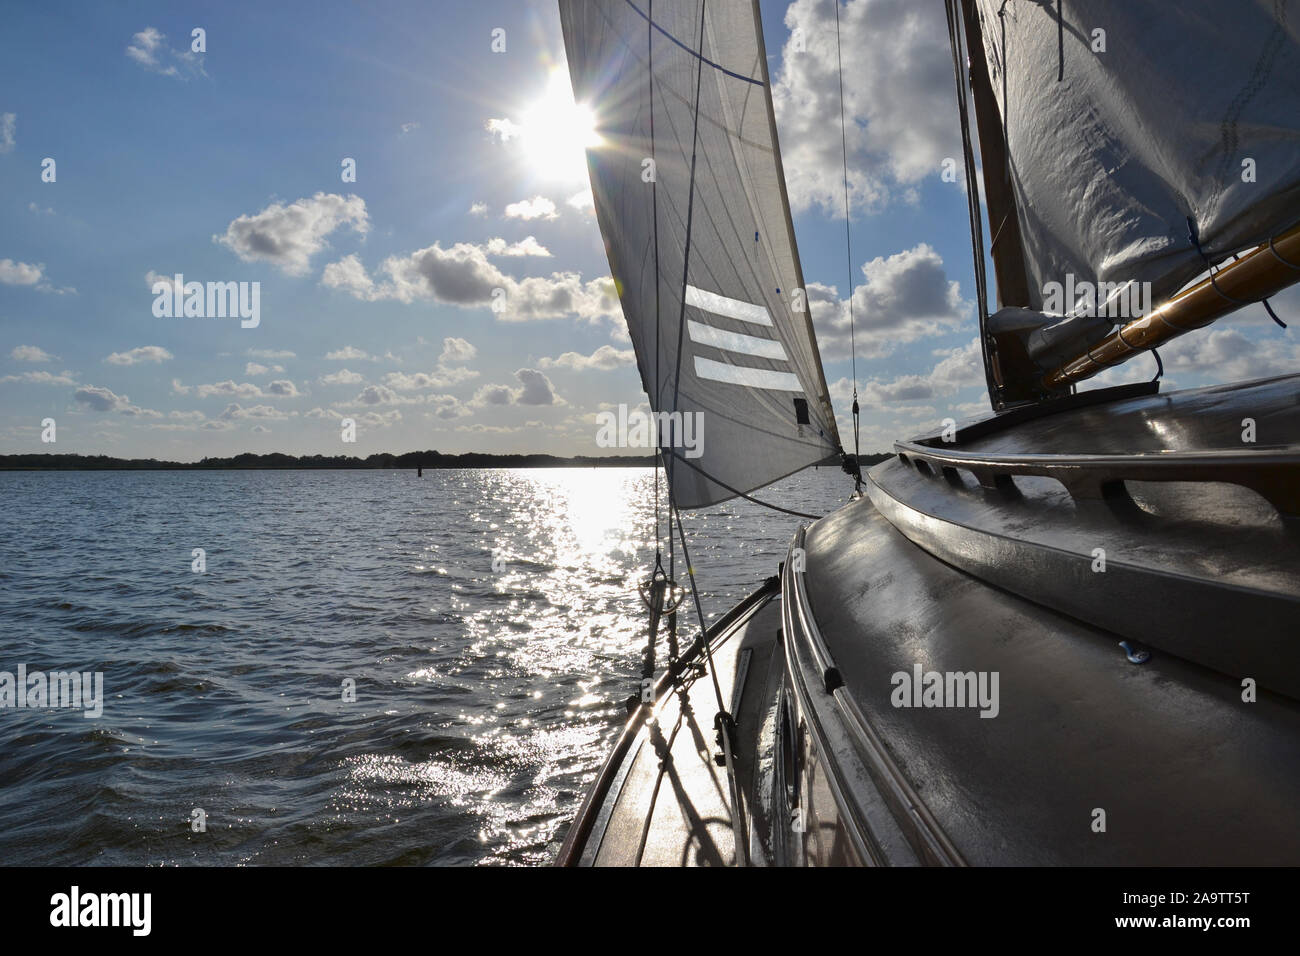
225, 166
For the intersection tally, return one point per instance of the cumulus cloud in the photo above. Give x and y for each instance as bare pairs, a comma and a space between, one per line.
603, 359
906, 297
582, 201
478, 209
900, 108
42, 378
464, 276
539, 207
528, 246
287, 236
447, 406
145, 353
149, 49
257, 368
343, 377
534, 389
347, 353
236, 412
20, 273
377, 395
101, 399
282, 388
456, 350
1227, 355
8, 131
30, 353
226, 389
439, 378
957, 368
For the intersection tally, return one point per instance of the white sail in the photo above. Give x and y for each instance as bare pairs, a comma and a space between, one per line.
1128, 117
721, 332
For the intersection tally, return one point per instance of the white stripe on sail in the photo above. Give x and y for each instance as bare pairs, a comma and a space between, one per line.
751, 377
731, 308
735, 342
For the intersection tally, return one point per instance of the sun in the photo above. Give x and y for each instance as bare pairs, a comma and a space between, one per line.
556, 132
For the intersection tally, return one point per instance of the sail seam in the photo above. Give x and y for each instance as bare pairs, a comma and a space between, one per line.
695, 53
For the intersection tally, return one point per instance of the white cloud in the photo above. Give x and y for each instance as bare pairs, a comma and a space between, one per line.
377, 395
900, 106
30, 353
145, 353
503, 130
604, 358
528, 246
535, 389
8, 131
347, 353
447, 406
149, 49
43, 378
256, 368
269, 354
349, 275
539, 207
582, 201
283, 388
227, 389
463, 275
342, 377
439, 378
234, 412
1227, 355
408, 127
456, 350
957, 368
20, 273
288, 236
906, 297
101, 399
478, 209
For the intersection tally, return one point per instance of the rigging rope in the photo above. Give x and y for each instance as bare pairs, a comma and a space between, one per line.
741, 494
723, 721
1194, 235
848, 245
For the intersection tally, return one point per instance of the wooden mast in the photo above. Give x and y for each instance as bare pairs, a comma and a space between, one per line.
1012, 375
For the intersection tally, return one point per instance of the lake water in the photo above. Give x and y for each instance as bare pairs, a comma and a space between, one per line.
486, 698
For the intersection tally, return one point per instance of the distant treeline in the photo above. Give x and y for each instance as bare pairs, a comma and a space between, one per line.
275, 460
411, 459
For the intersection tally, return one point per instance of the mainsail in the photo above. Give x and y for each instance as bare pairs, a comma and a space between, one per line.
691, 201
1137, 130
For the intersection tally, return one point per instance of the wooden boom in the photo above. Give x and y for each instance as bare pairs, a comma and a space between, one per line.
1260, 273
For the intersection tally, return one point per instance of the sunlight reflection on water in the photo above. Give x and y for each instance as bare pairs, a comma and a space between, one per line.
486, 699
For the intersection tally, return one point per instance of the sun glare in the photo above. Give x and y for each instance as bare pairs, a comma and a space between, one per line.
557, 132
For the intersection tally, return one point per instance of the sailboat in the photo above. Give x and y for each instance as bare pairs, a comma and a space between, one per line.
1066, 632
